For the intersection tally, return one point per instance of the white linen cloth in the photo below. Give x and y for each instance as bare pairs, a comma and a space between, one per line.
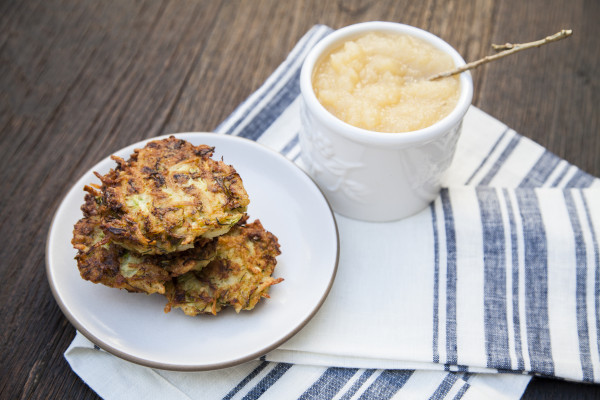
497, 280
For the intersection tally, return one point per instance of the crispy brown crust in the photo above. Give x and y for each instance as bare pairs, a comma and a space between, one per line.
100, 260
239, 276
167, 195
171, 220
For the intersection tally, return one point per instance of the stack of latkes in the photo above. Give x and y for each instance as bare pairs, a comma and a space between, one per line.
172, 220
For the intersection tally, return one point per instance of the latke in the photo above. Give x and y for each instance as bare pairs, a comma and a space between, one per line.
169, 194
239, 276
100, 260
171, 220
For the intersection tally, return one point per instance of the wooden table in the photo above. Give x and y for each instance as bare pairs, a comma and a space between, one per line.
81, 79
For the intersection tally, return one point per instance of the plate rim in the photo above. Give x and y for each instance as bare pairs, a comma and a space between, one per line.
185, 367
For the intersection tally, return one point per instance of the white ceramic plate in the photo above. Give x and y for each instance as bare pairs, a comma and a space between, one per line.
133, 326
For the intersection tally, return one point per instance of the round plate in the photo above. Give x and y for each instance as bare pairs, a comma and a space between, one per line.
133, 325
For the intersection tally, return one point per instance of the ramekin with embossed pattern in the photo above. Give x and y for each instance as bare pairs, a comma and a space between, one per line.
377, 176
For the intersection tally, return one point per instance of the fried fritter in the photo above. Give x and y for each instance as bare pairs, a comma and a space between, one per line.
171, 220
238, 276
169, 194
100, 260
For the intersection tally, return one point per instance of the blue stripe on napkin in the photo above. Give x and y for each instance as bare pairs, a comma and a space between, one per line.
561, 175
462, 391
329, 384
495, 263
451, 346
541, 171
358, 384
486, 158
265, 384
436, 285
278, 104
595, 267
536, 284
245, 381
442, 390
500, 161
580, 290
386, 385
449, 381
580, 180
293, 143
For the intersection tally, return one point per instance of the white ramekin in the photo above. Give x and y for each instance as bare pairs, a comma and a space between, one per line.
377, 176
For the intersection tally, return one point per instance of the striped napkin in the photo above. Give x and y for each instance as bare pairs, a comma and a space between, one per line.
497, 280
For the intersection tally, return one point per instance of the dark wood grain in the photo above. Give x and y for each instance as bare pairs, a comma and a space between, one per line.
558, 101
81, 79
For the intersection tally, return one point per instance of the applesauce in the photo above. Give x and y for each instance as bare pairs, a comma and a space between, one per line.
378, 82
